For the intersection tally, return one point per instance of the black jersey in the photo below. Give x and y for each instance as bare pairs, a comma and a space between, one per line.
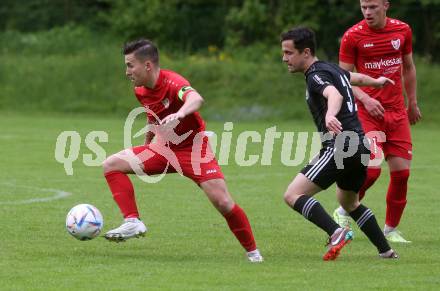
318, 77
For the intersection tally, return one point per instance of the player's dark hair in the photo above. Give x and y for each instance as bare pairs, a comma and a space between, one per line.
302, 37
143, 49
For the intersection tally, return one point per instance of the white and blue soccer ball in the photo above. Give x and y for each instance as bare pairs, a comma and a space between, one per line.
84, 222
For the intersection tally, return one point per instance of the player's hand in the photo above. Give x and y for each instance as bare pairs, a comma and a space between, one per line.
333, 124
382, 81
414, 114
172, 117
374, 108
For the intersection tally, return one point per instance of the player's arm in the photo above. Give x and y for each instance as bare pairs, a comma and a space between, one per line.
410, 83
192, 103
334, 103
364, 80
373, 107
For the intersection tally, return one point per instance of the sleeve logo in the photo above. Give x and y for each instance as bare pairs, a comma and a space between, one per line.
318, 80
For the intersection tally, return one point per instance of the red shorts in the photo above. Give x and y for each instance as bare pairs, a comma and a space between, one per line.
196, 162
396, 140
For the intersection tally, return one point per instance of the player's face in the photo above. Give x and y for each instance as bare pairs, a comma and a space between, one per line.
136, 70
292, 57
374, 12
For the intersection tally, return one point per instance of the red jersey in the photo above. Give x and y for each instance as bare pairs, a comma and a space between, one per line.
379, 52
167, 97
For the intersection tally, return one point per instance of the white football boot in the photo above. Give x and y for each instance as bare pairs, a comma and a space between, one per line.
255, 256
132, 227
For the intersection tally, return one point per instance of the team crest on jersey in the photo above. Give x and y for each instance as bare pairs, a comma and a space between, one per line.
166, 102
395, 43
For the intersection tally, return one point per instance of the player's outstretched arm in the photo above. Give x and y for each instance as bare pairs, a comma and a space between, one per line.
334, 103
193, 102
373, 107
359, 79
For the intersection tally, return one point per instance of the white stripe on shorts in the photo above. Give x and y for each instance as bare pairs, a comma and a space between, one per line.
322, 162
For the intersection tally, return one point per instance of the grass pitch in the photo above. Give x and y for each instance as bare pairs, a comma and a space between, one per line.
188, 246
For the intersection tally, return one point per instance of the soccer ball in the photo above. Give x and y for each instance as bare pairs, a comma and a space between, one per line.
84, 222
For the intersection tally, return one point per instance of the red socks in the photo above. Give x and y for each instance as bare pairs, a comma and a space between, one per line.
239, 225
372, 175
123, 193
396, 197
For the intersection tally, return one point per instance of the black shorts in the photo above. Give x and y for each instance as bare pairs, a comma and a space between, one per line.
323, 170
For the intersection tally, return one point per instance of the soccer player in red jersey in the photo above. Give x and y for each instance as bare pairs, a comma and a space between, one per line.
180, 146
382, 46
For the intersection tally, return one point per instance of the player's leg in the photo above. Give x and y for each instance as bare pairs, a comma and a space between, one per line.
299, 197
396, 197
340, 215
199, 164
116, 167
314, 177
217, 192
366, 221
376, 138
398, 151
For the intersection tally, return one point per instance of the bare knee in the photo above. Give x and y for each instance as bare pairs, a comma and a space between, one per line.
351, 206
114, 163
217, 192
223, 203
290, 197
349, 200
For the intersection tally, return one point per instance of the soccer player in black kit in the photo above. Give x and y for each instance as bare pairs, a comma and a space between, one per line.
331, 102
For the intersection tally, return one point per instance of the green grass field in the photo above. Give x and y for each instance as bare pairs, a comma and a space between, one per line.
188, 246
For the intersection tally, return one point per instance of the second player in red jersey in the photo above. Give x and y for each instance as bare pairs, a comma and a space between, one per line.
379, 52
382, 46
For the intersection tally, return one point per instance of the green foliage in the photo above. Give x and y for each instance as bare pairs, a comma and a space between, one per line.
259, 21
181, 24
247, 23
71, 70
193, 25
58, 40
34, 15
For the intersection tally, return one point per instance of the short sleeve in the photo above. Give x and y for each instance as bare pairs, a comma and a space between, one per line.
318, 81
347, 49
181, 86
407, 47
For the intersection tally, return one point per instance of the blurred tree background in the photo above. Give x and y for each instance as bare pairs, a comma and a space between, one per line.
193, 25
61, 55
